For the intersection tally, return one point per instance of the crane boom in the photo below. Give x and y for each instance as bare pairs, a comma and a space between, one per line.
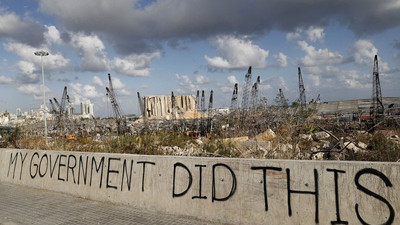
53, 107
302, 90
57, 105
119, 119
63, 101
140, 104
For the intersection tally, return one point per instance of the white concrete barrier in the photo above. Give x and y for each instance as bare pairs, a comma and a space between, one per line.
237, 191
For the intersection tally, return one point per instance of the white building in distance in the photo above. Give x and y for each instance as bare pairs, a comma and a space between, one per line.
18, 112
87, 109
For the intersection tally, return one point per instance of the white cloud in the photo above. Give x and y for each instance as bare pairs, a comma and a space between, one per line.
384, 68
294, 35
282, 84
186, 85
227, 87
52, 35
29, 64
10, 23
224, 88
6, 80
53, 62
315, 79
237, 54
232, 80
91, 50
80, 93
363, 52
273, 82
20, 30
118, 86
318, 57
352, 79
200, 79
97, 81
28, 71
34, 90
134, 65
312, 70
130, 24
332, 77
281, 60
315, 34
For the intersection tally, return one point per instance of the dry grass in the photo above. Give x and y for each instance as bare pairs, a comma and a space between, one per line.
232, 141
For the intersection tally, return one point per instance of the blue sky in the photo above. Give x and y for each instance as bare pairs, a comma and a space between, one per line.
156, 47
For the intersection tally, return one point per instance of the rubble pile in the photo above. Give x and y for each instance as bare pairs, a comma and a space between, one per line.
272, 133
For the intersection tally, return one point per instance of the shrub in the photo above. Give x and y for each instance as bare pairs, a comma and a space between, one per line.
381, 149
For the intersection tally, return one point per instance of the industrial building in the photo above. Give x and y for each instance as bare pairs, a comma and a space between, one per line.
356, 105
160, 106
86, 109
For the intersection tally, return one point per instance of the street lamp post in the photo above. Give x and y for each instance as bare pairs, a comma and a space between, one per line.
42, 53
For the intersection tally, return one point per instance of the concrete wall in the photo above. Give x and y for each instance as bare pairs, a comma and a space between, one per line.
238, 191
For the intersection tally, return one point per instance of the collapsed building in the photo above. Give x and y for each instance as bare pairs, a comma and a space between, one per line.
162, 107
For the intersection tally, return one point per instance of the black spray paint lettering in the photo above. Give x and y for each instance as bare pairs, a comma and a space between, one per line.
60, 164
128, 178
69, 167
12, 161
83, 169
173, 180
233, 189
144, 170
98, 168
22, 163
53, 166
200, 182
30, 166
109, 171
315, 193
336, 177
40, 165
264, 169
373, 194
15, 160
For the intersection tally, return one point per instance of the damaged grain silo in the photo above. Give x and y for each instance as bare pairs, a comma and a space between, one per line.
161, 107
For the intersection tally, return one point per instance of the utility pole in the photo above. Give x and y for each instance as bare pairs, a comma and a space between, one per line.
42, 53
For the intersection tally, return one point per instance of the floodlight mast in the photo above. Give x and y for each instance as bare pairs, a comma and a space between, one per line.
42, 53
